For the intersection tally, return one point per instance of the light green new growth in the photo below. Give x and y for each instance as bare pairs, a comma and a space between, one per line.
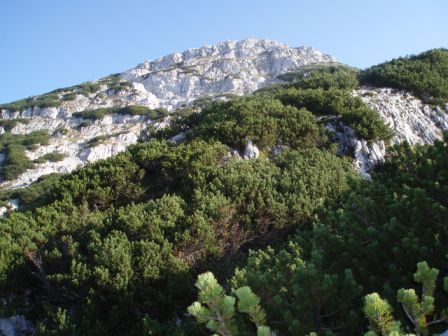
417, 309
379, 314
216, 310
249, 303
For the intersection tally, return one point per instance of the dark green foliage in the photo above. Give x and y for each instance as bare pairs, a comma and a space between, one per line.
84, 123
425, 75
87, 88
115, 247
419, 308
16, 162
14, 146
265, 121
332, 76
122, 240
9, 124
217, 310
366, 122
95, 141
69, 96
60, 131
300, 295
46, 100
375, 234
34, 195
53, 157
127, 110
280, 114
113, 181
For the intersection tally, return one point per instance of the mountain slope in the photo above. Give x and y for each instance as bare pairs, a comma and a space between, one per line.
180, 79
115, 247
229, 68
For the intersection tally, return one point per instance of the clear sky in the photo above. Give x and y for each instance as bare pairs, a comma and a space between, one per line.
47, 44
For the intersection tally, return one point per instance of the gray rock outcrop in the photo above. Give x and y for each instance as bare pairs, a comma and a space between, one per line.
251, 151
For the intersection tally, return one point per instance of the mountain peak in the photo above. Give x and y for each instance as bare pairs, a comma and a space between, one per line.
236, 67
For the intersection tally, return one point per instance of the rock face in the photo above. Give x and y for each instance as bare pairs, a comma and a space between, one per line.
235, 67
412, 120
231, 67
366, 154
113, 134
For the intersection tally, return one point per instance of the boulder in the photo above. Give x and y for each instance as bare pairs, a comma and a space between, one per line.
251, 151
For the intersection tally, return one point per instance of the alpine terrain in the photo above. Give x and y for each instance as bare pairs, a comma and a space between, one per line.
245, 188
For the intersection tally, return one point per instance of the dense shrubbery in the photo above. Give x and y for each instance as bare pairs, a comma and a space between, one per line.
281, 115
13, 147
368, 241
419, 308
217, 310
115, 247
45, 100
9, 124
333, 76
36, 194
15, 163
366, 122
425, 74
120, 242
127, 110
53, 157
265, 121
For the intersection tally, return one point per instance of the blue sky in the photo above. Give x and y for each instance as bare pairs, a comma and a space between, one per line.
47, 44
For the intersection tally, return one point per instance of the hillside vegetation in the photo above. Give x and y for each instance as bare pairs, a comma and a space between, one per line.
425, 74
138, 244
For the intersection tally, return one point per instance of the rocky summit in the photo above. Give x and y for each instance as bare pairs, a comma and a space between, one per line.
231, 67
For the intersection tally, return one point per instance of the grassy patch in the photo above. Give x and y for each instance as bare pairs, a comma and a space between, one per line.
46, 100
9, 124
16, 162
14, 146
98, 140
127, 110
53, 157
56, 97
27, 140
